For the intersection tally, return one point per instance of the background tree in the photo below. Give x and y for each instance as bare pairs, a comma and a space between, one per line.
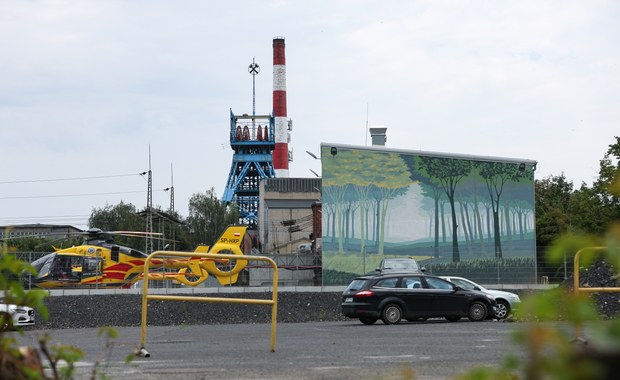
121, 217
125, 217
553, 197
609, 168
588, 210
208, 218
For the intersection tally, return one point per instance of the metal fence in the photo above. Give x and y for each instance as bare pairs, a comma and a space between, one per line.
306, 270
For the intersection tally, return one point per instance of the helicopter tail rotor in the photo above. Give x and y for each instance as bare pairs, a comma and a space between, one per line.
232, 242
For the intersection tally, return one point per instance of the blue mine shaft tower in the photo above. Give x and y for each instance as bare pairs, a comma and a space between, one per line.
260, 143
252, 140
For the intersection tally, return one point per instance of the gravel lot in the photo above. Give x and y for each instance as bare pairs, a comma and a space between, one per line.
125, 310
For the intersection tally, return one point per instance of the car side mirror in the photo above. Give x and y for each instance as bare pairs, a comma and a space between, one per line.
477, 288
423, 269
457, 288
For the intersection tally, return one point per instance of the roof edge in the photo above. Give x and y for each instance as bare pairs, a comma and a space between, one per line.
432, 154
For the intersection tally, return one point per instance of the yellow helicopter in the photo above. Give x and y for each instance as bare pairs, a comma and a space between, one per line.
100, 262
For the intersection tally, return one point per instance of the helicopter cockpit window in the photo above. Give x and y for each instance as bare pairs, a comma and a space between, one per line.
43, 265
67, 267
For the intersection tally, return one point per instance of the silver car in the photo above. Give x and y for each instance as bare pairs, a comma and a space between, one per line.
21, 315
506, 301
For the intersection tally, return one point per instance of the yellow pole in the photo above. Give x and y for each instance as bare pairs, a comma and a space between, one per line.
145, 290
578, 329
274, 306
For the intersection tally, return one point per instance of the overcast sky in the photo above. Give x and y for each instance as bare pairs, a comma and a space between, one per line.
87, 86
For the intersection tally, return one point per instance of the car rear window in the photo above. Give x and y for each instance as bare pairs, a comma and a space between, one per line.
357, 285
386, 283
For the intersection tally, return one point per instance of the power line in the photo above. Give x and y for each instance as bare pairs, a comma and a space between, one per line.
43, 217
72, 195
82, 221
69, 179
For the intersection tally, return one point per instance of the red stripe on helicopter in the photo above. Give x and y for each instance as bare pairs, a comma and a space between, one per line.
115, 276
120, 267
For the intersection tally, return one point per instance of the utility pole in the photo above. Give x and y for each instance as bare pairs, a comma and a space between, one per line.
149, 210
172, 229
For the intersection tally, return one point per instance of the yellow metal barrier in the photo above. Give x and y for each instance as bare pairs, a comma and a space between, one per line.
146, 297
578, 289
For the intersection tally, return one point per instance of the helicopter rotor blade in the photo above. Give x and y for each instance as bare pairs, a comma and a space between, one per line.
91, 234
135, 233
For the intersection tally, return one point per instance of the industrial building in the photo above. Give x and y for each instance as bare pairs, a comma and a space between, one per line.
37, 230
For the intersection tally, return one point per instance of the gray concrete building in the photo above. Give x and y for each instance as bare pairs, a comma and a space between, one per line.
286, 218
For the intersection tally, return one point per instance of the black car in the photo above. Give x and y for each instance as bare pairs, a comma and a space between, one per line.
412, 296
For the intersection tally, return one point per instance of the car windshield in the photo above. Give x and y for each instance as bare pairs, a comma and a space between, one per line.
356, 284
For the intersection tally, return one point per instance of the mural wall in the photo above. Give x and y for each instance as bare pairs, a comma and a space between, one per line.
458, 215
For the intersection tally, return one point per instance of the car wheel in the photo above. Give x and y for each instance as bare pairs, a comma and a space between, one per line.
368, 320
477, 311
391, 314
503, 309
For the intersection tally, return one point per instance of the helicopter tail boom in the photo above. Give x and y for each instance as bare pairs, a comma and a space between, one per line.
197, 270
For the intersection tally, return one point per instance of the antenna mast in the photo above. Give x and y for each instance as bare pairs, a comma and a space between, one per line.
171, 190
253, 69
366, 133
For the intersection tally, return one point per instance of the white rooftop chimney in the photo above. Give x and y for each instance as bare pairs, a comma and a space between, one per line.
378, 135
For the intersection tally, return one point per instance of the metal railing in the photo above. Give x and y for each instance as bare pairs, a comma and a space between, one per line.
146, 296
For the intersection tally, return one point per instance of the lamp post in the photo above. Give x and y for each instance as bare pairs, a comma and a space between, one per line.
316, 158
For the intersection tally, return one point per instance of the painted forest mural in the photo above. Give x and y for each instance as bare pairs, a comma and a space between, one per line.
459, 215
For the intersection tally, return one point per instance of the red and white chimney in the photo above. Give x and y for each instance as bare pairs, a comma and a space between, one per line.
280, 152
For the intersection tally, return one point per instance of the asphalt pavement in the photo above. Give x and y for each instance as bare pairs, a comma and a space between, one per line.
435, 349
